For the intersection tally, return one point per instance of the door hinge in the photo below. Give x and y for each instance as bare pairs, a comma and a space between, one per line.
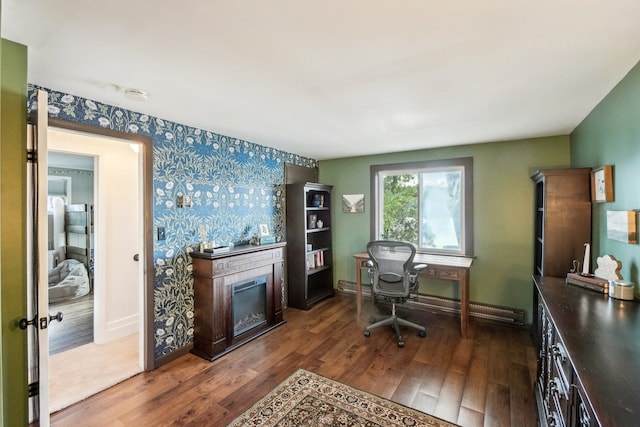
34, 389
32, 156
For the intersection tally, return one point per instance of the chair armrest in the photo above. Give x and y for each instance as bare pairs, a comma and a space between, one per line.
369, 264
419, 267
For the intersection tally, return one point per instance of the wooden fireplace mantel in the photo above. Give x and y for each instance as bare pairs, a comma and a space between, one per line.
213, 278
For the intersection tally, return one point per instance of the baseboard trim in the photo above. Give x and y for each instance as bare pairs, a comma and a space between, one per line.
122, 327
494, 313
159, 361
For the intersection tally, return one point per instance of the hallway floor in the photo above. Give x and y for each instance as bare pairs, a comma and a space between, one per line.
83, 371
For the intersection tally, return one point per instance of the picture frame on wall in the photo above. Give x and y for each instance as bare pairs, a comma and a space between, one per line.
622, 226
353, 203
602, 184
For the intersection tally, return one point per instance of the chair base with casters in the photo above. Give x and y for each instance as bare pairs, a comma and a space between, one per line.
395, 322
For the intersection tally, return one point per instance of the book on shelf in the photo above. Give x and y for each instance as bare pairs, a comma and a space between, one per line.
315, 260
311, 261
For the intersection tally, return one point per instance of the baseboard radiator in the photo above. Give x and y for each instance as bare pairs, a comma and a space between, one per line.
490, 312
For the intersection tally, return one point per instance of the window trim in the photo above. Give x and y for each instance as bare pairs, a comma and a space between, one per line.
465, 162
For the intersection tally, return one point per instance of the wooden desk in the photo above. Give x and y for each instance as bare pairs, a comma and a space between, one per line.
439, 267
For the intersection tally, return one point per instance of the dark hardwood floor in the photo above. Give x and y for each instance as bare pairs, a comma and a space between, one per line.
485, 380
76, 328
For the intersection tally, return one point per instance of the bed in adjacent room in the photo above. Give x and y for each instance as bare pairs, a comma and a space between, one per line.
71, 264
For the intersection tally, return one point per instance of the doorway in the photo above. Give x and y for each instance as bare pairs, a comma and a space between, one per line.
70, 205
107, 225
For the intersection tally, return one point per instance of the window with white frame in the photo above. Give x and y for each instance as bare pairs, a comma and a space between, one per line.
429, 204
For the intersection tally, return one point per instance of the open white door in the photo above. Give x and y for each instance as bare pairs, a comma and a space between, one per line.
38, 317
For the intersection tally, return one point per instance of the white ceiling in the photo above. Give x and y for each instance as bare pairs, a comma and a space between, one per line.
337, 78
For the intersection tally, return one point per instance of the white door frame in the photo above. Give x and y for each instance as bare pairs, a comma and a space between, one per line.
146, 257
117, 236
37, 260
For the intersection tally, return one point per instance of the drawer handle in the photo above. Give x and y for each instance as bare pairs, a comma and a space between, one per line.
557, 389
584, 418
558, 351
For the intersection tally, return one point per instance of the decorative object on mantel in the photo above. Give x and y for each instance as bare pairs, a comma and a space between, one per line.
264, 230
203, 230
306, 398
265, 236
622, 226
602, 184
217, 249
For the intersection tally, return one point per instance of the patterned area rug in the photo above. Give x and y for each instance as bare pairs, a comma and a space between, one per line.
308, 399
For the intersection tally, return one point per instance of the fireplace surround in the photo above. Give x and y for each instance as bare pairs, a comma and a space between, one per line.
237, 297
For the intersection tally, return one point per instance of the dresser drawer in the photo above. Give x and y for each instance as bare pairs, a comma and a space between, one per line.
429, 272
442, 273
447, 273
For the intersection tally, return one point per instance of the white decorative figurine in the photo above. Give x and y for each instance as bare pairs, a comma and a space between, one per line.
608, 268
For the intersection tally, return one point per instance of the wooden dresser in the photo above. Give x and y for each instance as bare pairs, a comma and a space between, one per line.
589, 356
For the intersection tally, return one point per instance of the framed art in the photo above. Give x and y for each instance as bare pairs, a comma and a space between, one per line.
621, 226
263, 229
602, 184
353, 203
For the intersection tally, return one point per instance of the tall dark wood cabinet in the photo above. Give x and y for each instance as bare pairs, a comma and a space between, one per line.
562, 219
309, 254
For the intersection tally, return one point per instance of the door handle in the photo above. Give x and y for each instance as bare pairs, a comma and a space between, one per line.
58, 317
44, 322
24, 323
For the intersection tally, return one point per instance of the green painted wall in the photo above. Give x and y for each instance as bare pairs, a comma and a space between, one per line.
610, 135
503, 214
13, 129
1, 334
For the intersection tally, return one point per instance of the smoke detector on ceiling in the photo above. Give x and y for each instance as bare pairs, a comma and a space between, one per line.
136, 94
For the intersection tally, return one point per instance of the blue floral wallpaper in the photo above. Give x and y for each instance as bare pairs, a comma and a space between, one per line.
234, 185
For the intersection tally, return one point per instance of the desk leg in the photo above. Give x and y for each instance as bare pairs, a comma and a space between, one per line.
464, 302
358, 288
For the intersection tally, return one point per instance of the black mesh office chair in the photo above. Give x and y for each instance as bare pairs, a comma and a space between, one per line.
393, 278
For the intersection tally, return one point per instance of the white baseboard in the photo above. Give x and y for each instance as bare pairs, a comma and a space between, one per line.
122, 327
